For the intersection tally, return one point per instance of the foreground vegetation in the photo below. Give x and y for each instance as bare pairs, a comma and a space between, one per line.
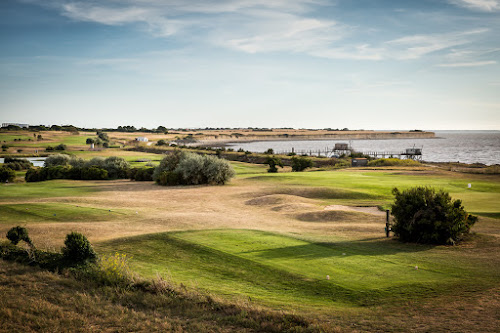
287, 251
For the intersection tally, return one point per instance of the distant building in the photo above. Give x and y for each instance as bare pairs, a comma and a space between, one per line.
341, 146
141, 139
15, 124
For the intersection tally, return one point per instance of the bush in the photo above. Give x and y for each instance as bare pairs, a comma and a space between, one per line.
217, 171
168, 163
117, 167
300, 163
78, 249
423, 215
191, 169
161, 142
94, 173
273, 162
62, 146
57, 159
6, 174
33, 175
181, 168
169, 178
393, 162
270, 151
17, 163
141, 174
17, 234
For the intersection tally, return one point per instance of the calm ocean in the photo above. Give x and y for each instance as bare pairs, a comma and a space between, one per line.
448, 146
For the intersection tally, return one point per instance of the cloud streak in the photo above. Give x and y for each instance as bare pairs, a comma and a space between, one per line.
470, 64
481, 5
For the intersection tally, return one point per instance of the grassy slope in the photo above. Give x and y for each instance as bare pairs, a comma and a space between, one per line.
287, 272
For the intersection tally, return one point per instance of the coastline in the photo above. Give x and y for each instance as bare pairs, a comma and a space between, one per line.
224, 142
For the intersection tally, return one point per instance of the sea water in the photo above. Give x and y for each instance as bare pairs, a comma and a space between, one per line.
447, 146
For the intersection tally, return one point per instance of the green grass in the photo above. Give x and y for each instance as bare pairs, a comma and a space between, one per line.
55, 212
283, 271
10, 137
484, 196
47, 189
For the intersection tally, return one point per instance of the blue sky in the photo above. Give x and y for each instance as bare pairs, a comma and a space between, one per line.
361, 64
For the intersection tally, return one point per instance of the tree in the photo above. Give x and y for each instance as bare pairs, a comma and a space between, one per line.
90, 141
423, 215
300, 163
6, 174
273, 162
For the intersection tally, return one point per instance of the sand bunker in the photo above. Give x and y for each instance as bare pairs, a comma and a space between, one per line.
366, 210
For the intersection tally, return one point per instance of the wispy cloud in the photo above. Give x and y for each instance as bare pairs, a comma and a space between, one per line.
262, 26
481, 5
469, 64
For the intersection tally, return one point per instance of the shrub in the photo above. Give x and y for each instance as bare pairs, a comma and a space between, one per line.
5, 147
94, 173
117, 167
17, 234
141, 174
57, 159
169, 178
17, 163
6, 174
96, 162
33, 175
393, 162
89, 141
273, 162
217, 171
78, 249
270, 151
49, 148
168, 163
423, 215
191, 169
161, 142
300, 163
61, 146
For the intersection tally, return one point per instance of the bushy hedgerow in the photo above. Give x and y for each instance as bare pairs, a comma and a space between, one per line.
141, 174
423, 215
181, 168
78, 248
393, 162
6, 174
68, 167
300, 163
17, 163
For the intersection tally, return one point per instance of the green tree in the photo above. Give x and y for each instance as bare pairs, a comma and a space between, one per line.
300, 163
273, 163
423, 215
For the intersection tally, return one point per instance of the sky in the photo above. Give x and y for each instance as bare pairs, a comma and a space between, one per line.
360, 64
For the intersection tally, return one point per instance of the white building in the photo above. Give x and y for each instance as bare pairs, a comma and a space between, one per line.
141, 139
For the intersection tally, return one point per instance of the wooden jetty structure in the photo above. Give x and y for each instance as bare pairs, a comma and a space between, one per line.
344, 149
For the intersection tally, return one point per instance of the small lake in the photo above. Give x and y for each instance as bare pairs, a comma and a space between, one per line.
37, 161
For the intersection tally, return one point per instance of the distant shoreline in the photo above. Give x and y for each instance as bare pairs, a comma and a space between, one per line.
223, 142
